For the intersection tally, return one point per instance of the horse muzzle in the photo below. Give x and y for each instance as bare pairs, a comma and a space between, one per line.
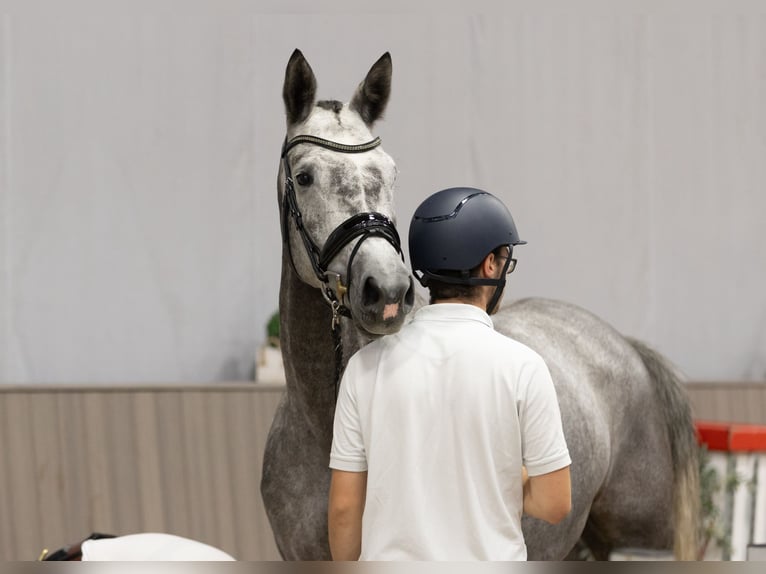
384, 302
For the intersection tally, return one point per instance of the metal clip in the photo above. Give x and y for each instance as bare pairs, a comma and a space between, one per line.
340, 289
335, 305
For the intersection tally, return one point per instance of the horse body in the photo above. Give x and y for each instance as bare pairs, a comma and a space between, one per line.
621, 405
626, 421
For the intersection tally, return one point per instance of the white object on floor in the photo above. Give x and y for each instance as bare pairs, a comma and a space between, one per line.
150, 547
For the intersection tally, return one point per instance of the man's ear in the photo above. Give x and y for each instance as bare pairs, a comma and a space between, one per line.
489, 266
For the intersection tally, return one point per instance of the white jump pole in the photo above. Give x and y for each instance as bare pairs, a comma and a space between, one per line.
759, 504
742, 511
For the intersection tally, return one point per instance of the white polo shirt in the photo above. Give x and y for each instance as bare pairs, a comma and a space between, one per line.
442, 415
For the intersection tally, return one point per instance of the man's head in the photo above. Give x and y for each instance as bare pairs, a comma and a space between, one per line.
461, 245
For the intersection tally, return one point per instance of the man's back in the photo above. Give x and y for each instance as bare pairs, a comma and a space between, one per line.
442, 416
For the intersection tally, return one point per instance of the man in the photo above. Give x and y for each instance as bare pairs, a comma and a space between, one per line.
437, 426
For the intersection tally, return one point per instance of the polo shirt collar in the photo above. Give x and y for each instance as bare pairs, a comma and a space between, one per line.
453, 312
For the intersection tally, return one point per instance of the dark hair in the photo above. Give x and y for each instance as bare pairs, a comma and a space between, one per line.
439, 290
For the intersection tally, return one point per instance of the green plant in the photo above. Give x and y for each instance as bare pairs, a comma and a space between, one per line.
710, 484
711, 528
272, 330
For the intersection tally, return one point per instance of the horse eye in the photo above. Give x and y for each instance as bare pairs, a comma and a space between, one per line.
304, 179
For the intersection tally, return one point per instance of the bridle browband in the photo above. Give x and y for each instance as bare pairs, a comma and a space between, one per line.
363, 225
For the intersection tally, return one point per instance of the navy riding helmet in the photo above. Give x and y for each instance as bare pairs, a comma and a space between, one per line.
454, 230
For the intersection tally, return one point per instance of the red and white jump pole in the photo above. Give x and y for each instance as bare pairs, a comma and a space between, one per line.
739, 450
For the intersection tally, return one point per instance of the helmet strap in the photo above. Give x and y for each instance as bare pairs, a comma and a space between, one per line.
495, 297
500, 286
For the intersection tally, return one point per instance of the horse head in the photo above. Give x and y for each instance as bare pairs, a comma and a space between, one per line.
336, 199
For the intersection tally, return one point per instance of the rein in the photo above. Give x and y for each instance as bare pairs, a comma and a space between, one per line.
362, 225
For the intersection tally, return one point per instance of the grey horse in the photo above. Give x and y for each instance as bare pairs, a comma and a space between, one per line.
627, 422
336, 171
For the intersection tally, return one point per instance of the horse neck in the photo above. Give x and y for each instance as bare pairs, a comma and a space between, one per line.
308, 349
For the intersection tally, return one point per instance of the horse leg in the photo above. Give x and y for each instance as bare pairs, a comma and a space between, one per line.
579, 553
596, 545
634, 509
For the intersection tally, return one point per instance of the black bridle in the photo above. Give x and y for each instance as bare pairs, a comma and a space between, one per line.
363, 225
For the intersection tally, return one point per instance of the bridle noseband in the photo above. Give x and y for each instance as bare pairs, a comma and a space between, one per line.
363, 225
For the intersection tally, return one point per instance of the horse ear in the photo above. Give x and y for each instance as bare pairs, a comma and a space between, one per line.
300, 88
371, 96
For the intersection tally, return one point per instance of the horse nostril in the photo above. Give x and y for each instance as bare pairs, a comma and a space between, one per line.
370, 292
375, 294
409, 297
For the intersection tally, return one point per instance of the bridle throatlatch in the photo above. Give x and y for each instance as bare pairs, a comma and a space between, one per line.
362, 225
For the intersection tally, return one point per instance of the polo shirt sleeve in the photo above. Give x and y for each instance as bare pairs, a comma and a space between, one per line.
544, 447
347, 451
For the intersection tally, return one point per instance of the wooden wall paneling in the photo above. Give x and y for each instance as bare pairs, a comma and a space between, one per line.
266, 408
120, 511
198, 476
722, 405
704, 402
241, 452
210, 443
263, 538
240, 459
90, 428
264, 414
191, 474
148, 464
245, 453
5, 539
739, 409
755, 400
736, 406
185, 461
714, 407
75, 468
8, 541
708, 408
46, 455
24, 505
204, 485
176, 502
731, 402
217, 409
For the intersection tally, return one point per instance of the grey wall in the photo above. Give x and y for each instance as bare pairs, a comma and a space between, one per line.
139, 143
